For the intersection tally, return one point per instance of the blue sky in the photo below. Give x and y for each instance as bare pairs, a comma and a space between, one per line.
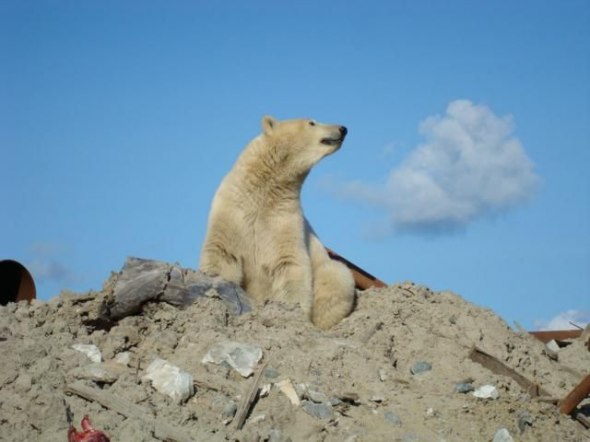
465, 167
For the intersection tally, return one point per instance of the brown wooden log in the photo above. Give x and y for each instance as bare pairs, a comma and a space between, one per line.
362, 279
577, 395
498, 367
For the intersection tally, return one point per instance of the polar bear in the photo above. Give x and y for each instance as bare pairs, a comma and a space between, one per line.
258, 237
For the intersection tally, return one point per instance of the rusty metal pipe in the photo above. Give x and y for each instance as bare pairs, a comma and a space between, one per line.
16, 283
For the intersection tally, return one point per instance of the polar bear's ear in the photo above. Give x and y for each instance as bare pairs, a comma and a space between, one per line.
268, 124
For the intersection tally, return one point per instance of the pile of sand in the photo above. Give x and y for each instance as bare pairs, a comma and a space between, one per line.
361, 381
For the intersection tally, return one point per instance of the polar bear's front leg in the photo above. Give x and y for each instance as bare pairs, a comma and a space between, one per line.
334, 294
292, 283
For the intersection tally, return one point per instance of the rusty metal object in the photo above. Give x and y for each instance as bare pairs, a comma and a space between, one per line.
16, 283
558, 335
577, 395
362, 278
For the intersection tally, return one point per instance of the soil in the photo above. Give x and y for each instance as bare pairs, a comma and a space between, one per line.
359, 381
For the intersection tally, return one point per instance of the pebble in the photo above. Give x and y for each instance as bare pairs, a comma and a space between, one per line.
383, 375
230, 409
392, 418
486, 392
420, 367
316, 396
524, 419
463, 387
321, 411
502, 435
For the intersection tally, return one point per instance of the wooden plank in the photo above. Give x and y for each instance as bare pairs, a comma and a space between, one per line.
160, 429
498, 367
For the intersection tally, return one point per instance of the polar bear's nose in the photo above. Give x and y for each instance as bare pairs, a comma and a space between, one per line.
343, 131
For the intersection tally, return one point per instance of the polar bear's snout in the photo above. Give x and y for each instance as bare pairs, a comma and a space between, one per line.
335, 139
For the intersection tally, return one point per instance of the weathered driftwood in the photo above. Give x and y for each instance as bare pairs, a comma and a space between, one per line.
498, 367
161, 430
142, 280
249, 399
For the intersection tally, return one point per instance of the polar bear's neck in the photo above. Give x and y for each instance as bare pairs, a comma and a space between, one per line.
270, 170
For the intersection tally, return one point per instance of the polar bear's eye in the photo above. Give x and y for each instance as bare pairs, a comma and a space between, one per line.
312, 123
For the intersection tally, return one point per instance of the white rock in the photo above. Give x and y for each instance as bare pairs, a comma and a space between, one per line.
552, 345
168, 379
89, 350
241, 357
486, 392
123, 358
286, 386
502, 435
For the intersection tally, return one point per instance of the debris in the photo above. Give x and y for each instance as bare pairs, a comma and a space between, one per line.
95, 372
502, 435
87, 434
571, 401
321, 411
161, 429
265, 390
286, 386
486, 392
168, 379
496, 366
552, 345
249, 399
89, 350
420, 367
242, 357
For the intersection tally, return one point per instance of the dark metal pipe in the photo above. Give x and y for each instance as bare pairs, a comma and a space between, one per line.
16, 283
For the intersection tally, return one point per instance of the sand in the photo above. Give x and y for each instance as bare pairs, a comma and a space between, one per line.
354, 382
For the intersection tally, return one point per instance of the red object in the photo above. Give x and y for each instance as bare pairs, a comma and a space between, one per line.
88, 434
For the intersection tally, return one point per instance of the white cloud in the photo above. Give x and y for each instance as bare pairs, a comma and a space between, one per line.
563, 321
470, 166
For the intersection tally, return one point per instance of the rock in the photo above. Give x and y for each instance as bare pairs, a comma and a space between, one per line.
123, 358
241, 357
420, 367
95, 372
316, 396
383, 375
89, 350
230, 409
524, 419
464, 387
552, 345
486, 392
502, 435
286, 386
271, 373
168, 379
321, 411
392, 418
377, 398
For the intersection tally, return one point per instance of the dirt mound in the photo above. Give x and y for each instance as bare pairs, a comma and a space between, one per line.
397, 369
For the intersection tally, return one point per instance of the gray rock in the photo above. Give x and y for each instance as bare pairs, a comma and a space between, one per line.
230, 409
320, 411
316, 396
420, 367
271, 373
392, 418
464, 387
524, 419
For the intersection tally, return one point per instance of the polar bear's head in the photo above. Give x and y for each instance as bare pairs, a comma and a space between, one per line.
303, 142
